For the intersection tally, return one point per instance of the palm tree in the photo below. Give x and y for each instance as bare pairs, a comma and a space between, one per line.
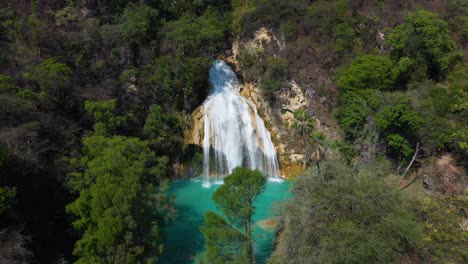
304, 122
319, 144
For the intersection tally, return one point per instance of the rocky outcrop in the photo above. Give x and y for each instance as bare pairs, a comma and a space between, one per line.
280, 121
195, 132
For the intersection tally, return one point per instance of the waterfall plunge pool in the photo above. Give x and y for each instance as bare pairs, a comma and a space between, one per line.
183, 239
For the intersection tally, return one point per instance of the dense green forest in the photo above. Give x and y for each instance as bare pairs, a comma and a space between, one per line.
95, 96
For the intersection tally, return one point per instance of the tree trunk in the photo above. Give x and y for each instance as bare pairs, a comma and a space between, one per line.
412, 160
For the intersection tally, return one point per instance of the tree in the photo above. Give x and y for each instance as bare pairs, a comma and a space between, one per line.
304, 122
224, 243
195, 36
355, 110
235, 199
319, 144
51, 77
369, 72
164, 130
105, 116
424, 38
179, 82
138, 22
343, 215
121, 201
344, 38
399, 124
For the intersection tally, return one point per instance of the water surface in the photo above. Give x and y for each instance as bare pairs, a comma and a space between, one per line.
183, 239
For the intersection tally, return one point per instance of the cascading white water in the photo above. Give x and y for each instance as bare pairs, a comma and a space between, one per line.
234, 134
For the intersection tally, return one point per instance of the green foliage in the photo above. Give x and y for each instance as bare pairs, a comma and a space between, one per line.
249, 15
399, 123
424, 37
288, 30
275, 71
9, 27
105, 116
276, 66
66, 16
138, 21
304, 122
240, 9
355, 109
443, 111
320, 145
179, 82
51, 77
36, 34
324, 16
120, 203
15, 111
444, 240
7, 84
369, 72
195, 36
458, 18
236, 196
248, 58
344, 38
347, 150
224, 243
235, 199
458, 89
346, 216
164, 130
270, 87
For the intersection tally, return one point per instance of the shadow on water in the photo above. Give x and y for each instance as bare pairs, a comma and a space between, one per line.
182, 249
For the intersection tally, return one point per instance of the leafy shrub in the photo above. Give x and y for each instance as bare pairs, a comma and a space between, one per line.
424, 37
51, 77
399, 124
195, 36
355, 109
369, 72
137, 23
276, 67
340, 215
270, 87
444, 240
344, 38
105, 116
164, 130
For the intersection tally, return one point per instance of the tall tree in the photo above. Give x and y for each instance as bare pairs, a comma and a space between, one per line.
224, 243
424, 38
235, 199
121, 198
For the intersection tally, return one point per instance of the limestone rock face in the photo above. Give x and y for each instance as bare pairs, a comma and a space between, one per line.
293, 100
292, 160
195, 132
279, 122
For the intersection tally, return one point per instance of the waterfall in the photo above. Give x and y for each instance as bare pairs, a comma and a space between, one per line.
234, 133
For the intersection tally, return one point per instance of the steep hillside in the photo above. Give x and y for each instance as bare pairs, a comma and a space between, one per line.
100, 110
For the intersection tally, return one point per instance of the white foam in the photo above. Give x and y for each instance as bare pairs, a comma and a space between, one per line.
234, 133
